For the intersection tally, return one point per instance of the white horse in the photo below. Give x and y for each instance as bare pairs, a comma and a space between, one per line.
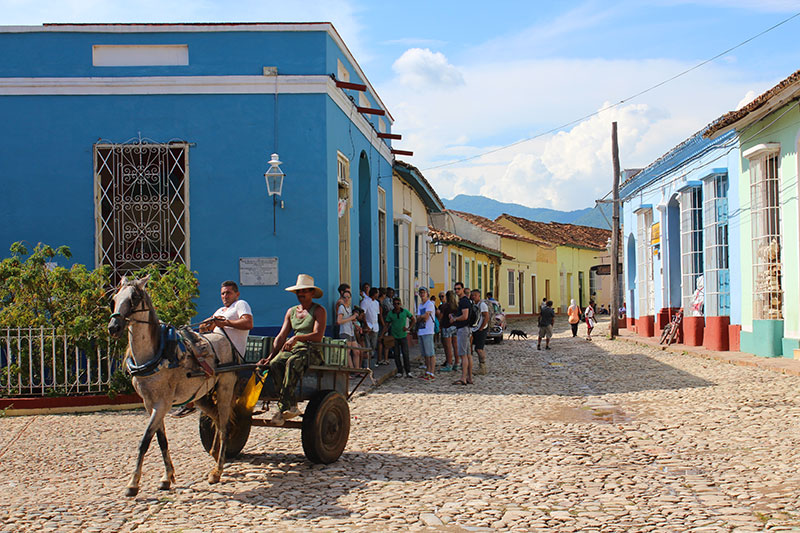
161, 387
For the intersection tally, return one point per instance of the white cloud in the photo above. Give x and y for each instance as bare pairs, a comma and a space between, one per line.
749, 97
419, 67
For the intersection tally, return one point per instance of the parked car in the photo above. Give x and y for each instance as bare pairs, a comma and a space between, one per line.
497, 322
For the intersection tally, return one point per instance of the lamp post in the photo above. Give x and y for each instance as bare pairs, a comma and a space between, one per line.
274, 178
438, 247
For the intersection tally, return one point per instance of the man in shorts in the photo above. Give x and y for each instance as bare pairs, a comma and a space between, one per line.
546, 320
426, 314
480, 329
461, 321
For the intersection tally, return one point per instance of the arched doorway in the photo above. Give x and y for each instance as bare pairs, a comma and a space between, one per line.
673, 259
365, 217
631, 268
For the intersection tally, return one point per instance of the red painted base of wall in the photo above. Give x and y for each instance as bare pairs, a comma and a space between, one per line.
734, 334
693, 328
715, 336
645, 326
631, 323
622, 323
68, 401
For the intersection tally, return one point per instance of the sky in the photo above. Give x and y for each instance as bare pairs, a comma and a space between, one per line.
467, 78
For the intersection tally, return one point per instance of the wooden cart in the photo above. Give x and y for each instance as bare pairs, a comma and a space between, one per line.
325, 423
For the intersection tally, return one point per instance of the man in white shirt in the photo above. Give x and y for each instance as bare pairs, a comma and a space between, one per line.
372, 310
480, 329
234, 318
426, 313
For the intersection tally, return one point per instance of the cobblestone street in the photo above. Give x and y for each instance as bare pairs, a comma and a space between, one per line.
597, 435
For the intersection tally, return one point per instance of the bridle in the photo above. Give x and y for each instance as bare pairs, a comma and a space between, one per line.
136, 299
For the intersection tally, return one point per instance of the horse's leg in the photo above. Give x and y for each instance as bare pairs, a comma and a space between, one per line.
133, 484
169, 470
225, 387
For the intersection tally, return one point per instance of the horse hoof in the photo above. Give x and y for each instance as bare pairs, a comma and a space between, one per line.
213, 477
130, 492
165, 485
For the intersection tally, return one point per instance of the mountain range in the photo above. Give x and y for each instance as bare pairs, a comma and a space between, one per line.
486, 207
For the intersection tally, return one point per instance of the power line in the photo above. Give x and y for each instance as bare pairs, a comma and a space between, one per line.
624, 100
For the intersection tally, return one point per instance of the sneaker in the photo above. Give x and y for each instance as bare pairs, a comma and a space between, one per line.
538, 346
293, 412
447, 368
482, 369
277, 419
409, 375
456, 368
186, 410
431, 376
546, 347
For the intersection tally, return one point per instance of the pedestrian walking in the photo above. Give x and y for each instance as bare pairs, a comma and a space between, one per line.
426, 315
448, 306
397, 323
345, 318
546, 320
590, 320
574, 313
372, 311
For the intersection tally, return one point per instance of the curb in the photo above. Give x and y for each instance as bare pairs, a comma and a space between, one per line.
783, 365
68, 404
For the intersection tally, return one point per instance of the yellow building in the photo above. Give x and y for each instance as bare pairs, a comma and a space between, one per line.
413, 199
528, 271
581, 259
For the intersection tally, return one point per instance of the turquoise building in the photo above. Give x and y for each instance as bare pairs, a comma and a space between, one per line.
768, 129
147, 143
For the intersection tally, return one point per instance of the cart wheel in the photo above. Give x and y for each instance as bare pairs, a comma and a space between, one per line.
238, 433
326, 427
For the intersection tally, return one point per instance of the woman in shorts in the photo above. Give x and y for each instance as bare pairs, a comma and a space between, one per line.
447, 329
345, 318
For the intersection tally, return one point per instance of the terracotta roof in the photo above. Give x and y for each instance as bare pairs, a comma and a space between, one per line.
446, 236
760, 101
564, 234
493, 227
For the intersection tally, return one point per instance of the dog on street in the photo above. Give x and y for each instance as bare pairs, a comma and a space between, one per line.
518, 333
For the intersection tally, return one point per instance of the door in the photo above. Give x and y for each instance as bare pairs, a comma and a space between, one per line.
521, 293
534, 299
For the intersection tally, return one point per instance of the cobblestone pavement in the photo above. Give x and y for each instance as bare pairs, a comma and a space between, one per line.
588, 436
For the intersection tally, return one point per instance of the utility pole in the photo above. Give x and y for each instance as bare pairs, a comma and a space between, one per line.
615, 235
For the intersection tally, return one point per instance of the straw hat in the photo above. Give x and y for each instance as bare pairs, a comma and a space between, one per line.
304, 281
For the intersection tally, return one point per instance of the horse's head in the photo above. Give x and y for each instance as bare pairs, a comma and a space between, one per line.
130, 299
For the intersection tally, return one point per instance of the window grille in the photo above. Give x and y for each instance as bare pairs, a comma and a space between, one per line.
141, 193
512, 301
467, 271
644, 262
717, 273
692, 283
592, 284
344, 202
491, 281
765, 214
480, 278
397, 256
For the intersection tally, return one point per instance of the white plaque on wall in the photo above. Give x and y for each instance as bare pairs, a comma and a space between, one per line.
258, 271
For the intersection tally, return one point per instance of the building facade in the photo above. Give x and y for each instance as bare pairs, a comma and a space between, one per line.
159, 136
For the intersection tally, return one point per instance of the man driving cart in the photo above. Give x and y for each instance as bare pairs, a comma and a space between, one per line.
291, 356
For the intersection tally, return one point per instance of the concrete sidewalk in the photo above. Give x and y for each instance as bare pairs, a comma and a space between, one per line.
777, 364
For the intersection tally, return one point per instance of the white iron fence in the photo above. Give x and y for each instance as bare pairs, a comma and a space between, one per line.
39, 361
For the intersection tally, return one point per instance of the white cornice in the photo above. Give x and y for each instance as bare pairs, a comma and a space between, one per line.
152, 85
201, 28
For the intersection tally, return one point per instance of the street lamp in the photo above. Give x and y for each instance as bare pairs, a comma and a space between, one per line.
438, 247
274, 178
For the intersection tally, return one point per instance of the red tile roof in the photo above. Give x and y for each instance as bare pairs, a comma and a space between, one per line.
563, 234
446, 236
493, 227
761, 100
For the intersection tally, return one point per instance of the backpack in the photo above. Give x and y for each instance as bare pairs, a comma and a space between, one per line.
474, 315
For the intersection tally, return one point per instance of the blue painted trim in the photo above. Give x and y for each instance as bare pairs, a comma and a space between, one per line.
715, 172
643, 207
689, 185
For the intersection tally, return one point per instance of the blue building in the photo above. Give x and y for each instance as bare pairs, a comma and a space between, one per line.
146, 143
680, 237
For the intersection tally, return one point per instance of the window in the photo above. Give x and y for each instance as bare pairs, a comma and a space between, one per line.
491, 280
644, 262
342, 74
422, 258
717, 273
692, 250
343, 210
765, 215
397, 256
382, 234
141, 192
512, 301
467, 271
480, 278
453, 269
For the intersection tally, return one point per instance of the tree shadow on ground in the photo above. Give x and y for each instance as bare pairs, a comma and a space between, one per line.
573, 367
306, 491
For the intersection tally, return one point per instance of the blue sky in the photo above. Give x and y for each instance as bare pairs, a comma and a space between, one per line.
464, 78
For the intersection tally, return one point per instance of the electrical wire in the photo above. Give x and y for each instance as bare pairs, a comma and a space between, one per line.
624, 100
